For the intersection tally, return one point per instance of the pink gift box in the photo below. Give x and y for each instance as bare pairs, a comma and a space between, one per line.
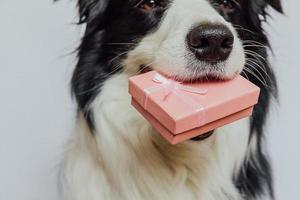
181, 111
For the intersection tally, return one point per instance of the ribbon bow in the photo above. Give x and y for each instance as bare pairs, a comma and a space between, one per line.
169, 86
172, 86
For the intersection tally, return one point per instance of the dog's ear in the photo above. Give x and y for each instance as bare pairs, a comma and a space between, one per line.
90, 10
258, 13
276, 4
260, 5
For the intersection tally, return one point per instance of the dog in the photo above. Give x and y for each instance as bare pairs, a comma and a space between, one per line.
114, 153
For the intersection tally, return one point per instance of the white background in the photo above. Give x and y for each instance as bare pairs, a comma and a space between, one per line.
37, 114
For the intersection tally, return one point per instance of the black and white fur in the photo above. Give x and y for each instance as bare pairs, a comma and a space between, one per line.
115, 154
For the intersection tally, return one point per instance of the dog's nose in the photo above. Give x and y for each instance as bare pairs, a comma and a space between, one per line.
211, 43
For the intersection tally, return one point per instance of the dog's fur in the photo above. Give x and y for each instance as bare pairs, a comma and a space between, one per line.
115, 154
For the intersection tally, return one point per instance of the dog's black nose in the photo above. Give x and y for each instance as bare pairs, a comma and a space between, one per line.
211, 43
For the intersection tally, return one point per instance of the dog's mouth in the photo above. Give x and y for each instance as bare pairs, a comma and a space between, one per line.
203, 136
205, 78
145, 69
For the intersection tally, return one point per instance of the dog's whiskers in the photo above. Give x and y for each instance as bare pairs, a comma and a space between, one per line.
258, 72
259, 63
254, 45
259, 66
120, 43
254, 54
242, 28
145, 67
252, 42
117, 56
256, 76
243, 73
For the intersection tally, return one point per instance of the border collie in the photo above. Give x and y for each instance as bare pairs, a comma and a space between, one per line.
114, 153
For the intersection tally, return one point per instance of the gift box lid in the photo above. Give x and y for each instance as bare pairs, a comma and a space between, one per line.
184, 110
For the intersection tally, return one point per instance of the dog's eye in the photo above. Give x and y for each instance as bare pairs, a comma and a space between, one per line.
148, 5
228, 6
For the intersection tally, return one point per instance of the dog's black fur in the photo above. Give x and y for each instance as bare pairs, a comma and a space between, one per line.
117, 22
114, 21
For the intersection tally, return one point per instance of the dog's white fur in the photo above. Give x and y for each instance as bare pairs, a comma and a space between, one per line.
126, 159
166, 51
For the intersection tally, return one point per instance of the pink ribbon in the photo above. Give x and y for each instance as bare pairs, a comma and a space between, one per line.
170, 86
